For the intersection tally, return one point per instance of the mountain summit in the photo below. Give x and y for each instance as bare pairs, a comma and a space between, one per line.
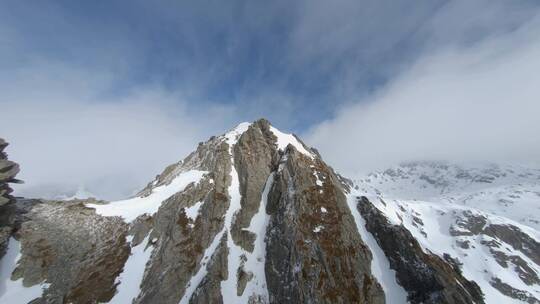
256, 216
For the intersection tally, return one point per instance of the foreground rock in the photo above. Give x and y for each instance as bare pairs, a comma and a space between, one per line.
66, 246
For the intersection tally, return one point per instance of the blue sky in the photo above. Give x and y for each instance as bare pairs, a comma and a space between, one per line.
274, 58
93, 80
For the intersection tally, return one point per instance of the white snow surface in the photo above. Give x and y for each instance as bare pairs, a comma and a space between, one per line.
380, 266
131, 277
130, 209
256, 259
233, 135
284, 139
13, 292
193, 211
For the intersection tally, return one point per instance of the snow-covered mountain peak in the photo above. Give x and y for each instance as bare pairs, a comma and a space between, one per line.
255, 216
511, 191
282, 139
232, 136
438, 178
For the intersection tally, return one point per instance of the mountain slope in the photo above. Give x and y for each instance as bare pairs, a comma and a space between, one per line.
458, 213
255, 216
506, 190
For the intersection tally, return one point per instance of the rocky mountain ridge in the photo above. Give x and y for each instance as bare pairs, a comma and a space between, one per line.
256, 216
8, 171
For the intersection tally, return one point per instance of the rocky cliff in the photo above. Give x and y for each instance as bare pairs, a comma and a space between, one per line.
8, 171
251, 216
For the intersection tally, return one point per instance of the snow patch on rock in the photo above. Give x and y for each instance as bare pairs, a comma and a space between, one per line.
131, 277
193, 211
229, 286
256, 260
130, 209
201, 273
284, 139
232, 136
318, 182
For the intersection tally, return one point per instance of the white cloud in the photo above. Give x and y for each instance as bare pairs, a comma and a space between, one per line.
76, 113
478, 102
66, 130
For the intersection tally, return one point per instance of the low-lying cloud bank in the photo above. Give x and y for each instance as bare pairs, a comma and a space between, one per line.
475, 103
66, 132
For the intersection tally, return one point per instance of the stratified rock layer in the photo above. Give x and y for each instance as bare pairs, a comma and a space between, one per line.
8, 171
314, 251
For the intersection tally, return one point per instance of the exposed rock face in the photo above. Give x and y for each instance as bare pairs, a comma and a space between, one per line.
209, 290
426, 277
77, 252
255, 158
8, 171
519, 240
314, 251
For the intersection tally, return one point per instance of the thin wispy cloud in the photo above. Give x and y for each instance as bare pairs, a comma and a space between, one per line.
67, 134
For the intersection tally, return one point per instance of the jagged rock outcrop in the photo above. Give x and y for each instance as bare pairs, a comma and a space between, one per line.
8, 171
426, 277
182, 240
